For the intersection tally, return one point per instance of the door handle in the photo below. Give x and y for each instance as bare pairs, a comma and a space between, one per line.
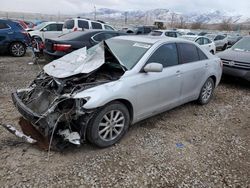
178, 73
10, 33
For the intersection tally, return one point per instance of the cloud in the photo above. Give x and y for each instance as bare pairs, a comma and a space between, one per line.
80, 6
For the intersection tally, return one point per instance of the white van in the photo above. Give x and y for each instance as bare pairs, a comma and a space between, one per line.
77, 24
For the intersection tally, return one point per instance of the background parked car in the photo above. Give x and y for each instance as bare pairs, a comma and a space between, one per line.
166, 33
13, 38
233, 38
220, 41
79, 24
140, 30
47, 30
203, 41
58, 47
236, 60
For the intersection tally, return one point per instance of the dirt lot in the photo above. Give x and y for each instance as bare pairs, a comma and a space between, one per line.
190, 146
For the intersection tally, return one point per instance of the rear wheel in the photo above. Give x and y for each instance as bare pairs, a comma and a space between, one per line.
17, 49
206, 92
224, 47
212, 52
108, 125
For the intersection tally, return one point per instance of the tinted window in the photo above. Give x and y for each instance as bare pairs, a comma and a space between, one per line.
199, 41
147, 30
96, 25
170, 34
69, 24
107, 27
202, 56
103, 36
188, 53
83, 24
3, 26
165, 55
59, 27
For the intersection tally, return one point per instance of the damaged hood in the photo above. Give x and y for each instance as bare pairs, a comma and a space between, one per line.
79, 61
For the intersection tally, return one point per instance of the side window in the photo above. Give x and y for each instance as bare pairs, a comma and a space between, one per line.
103, 36
165, 55
206, 41
51, 27
59, 27
202, 56
217, 37
199, 41
170, 34
107, 27
96, 25
83, 24
3, 26
147, 30
188, 53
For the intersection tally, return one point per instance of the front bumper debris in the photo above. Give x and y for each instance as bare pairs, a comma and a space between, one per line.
19, 134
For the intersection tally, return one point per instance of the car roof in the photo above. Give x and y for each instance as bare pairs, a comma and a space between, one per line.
149, 39
166, 30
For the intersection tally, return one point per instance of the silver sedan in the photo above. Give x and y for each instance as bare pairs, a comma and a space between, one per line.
96, 94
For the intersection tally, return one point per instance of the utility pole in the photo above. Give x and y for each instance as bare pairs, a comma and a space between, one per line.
95, 12
126, 18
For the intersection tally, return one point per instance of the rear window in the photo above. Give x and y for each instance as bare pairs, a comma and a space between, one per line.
83, 24
73, 35
155, 33
96, 25
3, 26
69, 24
188, 53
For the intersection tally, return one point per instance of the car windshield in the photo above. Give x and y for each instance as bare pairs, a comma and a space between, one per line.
242, 45
40, 26
127, 52
155, 33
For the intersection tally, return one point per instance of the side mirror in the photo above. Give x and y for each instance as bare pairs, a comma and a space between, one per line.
44, 29
153, 67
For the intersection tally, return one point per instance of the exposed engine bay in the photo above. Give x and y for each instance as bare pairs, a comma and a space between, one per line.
48, 103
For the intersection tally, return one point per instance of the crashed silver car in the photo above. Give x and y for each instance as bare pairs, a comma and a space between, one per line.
96, 94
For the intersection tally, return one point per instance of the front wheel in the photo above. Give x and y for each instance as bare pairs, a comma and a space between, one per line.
108, 125
17, 49
206, 92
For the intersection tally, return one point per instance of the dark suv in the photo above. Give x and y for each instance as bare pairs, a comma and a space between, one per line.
13, 38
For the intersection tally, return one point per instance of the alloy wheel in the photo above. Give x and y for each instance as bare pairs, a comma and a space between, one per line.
111, 125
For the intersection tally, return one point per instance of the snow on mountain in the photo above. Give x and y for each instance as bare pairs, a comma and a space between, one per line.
166, 15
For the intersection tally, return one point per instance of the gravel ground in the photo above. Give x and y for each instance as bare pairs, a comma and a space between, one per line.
190, 146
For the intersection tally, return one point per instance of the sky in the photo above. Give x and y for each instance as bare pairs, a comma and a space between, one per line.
240, 7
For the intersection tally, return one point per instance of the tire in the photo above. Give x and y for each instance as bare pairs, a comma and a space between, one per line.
224, 47
206, 92
17, 49
103, 130
212, 52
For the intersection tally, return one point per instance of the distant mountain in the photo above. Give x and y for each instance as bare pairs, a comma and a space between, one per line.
166, 15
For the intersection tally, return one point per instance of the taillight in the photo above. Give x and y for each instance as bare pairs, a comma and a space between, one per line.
75, 29
61, 47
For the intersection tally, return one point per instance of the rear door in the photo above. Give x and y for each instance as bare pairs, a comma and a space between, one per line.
193, 70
